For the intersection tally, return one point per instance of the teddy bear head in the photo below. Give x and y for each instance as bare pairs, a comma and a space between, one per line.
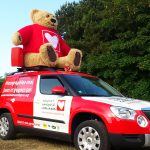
44, 18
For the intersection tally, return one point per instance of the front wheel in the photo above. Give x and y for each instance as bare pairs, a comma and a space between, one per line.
7, 130
91, 135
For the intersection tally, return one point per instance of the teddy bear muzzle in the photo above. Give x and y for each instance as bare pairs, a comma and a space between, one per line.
53, 20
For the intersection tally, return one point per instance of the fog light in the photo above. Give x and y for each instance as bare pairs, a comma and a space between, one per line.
142, 122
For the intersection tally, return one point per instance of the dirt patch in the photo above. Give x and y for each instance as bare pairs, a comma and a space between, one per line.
27, 142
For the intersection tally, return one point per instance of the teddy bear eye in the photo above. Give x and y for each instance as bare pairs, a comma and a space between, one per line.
47, 16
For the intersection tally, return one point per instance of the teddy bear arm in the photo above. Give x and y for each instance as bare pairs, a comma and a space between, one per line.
16, 39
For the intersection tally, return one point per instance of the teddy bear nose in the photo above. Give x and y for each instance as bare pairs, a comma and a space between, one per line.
53, 20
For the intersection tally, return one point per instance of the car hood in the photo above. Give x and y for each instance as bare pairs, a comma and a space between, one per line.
122, 101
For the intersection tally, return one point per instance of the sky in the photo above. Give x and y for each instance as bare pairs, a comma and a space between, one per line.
14, 14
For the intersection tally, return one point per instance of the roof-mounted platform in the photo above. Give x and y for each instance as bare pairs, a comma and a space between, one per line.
37, 68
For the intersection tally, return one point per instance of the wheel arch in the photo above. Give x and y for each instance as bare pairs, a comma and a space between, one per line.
4, 110
8, 110
83, 116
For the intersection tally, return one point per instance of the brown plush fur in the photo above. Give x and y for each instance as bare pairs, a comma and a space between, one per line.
16, 38
41, 58
69, 60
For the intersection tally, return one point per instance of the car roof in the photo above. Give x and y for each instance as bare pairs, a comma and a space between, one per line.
47, 71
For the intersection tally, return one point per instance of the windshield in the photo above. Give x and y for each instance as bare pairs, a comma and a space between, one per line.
89, 86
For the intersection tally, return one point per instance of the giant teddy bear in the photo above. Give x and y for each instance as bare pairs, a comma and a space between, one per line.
43, 45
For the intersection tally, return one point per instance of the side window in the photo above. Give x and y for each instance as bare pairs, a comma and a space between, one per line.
47, 83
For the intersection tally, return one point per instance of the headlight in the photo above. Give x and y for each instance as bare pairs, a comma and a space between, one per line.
123, 113
142, 122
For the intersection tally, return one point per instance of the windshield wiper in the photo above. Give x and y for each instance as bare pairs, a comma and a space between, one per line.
117, 96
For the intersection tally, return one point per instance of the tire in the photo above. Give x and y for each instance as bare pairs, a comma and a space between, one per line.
91, 135
7, 130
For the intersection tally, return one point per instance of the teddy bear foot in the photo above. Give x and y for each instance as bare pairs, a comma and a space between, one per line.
77, 59
51, 54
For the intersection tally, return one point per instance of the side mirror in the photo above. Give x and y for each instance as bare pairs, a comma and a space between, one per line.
58, 90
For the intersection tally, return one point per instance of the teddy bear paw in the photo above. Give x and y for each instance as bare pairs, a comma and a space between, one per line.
77, 59
51, 54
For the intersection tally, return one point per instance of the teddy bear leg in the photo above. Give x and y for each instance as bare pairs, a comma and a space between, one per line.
61, 62
32, 60
51, 54
77, 59
74, 58
48, 55
71, 62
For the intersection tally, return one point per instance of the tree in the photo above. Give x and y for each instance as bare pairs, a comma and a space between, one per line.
114, 37
1, 80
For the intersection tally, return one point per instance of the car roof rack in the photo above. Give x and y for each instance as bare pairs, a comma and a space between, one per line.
36, 68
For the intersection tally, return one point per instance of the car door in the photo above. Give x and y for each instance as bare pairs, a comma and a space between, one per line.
51, 111
22, 102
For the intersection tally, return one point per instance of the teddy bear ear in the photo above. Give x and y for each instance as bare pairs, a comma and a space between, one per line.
32, 14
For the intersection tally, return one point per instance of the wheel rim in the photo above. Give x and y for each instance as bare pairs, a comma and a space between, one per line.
89, 139
4, 126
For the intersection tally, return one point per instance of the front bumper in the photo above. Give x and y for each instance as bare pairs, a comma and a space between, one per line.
147, 140
130, 140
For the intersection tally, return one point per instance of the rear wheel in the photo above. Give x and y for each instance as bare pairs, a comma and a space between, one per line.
7, 130
91, 135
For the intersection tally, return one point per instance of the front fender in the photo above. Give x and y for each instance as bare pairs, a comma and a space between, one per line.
98, 109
